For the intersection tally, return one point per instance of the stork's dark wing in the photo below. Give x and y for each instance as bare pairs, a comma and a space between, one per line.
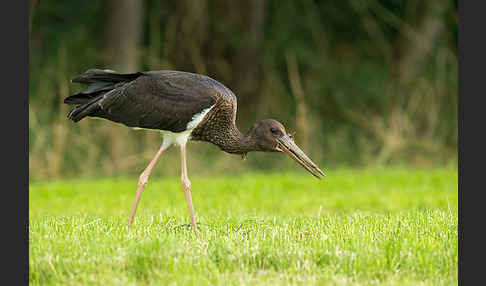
165, 100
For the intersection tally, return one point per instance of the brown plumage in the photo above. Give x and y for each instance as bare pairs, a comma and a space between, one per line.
182, 106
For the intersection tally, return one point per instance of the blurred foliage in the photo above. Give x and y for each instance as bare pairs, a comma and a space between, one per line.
361, 82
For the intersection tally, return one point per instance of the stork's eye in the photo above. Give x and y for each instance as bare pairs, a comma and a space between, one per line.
274, 131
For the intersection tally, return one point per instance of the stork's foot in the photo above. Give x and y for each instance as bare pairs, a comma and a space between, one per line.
187, 225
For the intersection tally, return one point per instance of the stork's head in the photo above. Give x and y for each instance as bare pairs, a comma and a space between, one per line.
269, 135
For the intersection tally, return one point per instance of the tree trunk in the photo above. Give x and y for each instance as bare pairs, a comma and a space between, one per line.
302, 115
123, 34
249, 60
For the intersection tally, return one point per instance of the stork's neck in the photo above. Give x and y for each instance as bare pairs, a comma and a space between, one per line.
236, 142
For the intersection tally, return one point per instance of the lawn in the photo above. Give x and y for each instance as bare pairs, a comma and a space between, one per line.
355, 227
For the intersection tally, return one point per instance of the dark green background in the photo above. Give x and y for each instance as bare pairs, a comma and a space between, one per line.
363, 83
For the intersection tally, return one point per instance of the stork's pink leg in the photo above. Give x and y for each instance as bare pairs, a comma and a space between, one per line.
186, 186
142, 181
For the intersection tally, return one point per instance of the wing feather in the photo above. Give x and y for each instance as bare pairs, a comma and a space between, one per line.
165, 100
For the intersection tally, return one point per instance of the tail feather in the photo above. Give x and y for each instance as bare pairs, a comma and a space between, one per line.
97, 75
99, 82
81, 111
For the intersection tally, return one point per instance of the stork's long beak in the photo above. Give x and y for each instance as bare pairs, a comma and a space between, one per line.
287, 145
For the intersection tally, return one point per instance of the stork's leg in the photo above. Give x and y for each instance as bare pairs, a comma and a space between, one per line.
186, 186
142, 181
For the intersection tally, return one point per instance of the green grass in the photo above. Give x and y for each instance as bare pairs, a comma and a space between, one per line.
371, 227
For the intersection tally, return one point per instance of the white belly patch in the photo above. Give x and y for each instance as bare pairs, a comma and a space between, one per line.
181, 138
197, 118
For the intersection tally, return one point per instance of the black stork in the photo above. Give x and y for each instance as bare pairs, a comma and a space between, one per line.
182, 106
